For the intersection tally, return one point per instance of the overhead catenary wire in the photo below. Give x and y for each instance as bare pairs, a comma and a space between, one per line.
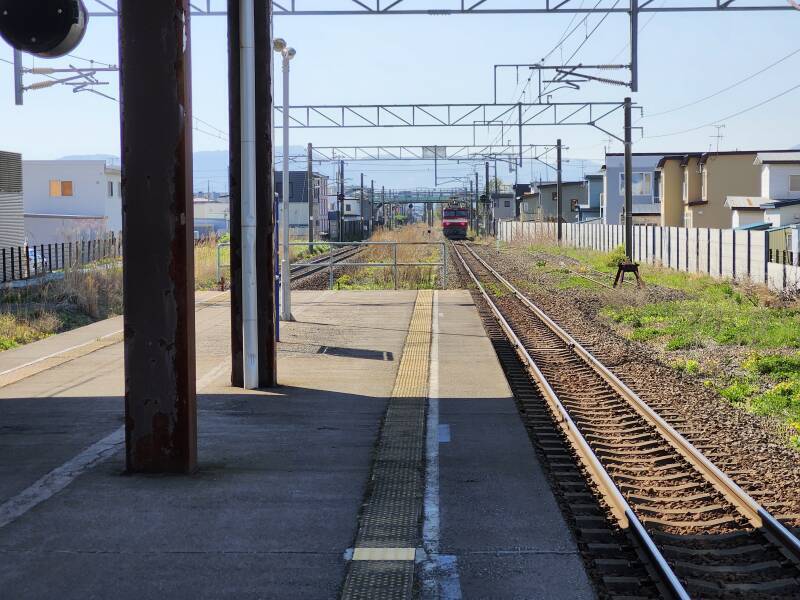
725, 89
727, 117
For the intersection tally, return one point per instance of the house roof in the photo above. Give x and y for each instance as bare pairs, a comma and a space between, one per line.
755, 227
771, 158
745, 202
548, 184
646, 209
780, 203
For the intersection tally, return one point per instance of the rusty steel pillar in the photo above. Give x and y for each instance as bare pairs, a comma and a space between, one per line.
235, 191
265, 195
157, 225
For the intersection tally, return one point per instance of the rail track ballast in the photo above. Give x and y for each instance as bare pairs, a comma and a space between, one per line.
701, 533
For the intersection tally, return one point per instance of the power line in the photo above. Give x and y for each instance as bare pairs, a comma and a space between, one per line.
725, 89
726, 118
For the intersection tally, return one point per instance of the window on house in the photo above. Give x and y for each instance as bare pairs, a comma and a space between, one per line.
704, 184
574, 204
347, 207
507, 203
110, 189
554, 196
794, 183
60, 188
685, 187
642, 184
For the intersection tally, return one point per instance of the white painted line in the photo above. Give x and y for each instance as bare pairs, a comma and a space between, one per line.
439, 572
60, 477
404, 554
430, 526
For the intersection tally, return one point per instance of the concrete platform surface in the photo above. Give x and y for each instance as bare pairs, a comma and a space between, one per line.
273, 508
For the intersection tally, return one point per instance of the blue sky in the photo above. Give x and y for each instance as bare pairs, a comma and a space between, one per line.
441, 59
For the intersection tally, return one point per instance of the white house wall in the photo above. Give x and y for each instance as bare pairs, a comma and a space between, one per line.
776, 180
89, 189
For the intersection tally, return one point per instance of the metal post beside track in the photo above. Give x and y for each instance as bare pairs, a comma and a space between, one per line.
394, 250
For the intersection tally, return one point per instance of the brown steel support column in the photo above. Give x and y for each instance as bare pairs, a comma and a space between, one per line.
265, 228
235, 190
156, 123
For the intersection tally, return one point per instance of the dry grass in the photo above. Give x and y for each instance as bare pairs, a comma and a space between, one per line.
408, 277
80, 298
205, 265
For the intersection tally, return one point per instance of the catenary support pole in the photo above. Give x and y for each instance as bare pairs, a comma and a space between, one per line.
628, 182
488, 200
310, 188
18, 91
341, 200
158, 237
371, 206
634, 44
559, 194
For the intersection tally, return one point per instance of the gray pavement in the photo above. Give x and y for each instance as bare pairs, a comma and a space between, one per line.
274, 505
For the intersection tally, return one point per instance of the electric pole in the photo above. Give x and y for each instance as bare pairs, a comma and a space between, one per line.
310, 201
628, 182
559, 207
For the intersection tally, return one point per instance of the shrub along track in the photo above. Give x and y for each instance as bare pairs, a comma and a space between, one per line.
716, 540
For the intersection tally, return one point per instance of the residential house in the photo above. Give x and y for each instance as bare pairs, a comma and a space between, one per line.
644, 181
542, 204
70, 199
778, 204
12, 220
298, 197
504, 205
590, 207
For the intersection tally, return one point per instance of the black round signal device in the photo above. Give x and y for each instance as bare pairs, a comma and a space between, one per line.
44, 28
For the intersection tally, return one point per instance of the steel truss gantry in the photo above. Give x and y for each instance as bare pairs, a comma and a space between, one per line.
517, 115
454, 152
107, 8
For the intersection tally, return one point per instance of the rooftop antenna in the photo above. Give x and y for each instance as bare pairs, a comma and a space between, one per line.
719, 135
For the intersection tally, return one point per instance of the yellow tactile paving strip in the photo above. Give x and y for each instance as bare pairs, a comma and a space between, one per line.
412, 374
389, 524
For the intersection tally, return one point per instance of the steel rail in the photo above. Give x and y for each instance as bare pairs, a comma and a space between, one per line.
743, 502
303, 270
619, 506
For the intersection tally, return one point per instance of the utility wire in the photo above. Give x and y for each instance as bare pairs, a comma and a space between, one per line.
725, 89
728, 117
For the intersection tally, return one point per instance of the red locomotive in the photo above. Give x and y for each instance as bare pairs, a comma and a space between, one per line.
455, 221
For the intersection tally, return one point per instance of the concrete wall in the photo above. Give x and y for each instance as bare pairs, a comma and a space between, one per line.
719, 253
50, 229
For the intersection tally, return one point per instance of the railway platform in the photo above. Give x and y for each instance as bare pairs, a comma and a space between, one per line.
390, 463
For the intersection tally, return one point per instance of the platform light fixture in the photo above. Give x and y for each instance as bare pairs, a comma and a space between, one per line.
288, 53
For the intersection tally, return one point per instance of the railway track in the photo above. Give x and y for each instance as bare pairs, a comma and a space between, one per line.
304, 270
696, 529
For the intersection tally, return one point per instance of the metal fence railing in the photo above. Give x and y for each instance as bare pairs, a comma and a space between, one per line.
19, 263
333, 261
394, 264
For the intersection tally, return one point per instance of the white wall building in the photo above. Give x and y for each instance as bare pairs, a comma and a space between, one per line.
779, 203
70, 199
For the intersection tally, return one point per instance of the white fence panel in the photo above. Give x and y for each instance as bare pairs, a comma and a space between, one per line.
727, 253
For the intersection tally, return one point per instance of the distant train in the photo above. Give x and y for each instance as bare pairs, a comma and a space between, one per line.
455, 221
